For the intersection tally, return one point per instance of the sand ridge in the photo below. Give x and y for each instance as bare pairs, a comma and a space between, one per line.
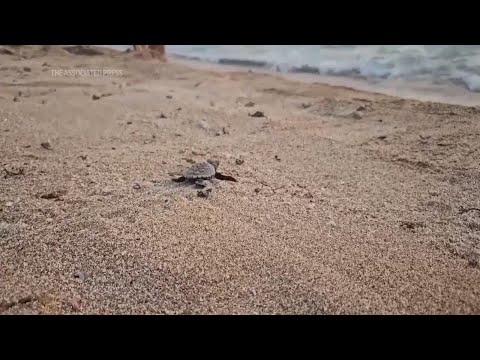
347, 202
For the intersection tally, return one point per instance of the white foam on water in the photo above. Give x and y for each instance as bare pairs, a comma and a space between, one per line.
472, 81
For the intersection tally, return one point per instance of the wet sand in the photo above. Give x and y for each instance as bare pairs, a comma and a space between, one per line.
347, 202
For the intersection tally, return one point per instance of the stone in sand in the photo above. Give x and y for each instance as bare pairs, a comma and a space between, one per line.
257, 114
46, 145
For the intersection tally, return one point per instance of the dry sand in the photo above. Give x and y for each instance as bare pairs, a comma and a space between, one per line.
347, 202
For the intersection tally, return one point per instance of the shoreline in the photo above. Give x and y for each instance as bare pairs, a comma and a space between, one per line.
422, 91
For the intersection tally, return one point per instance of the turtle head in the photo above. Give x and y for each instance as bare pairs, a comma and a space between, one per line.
215, 163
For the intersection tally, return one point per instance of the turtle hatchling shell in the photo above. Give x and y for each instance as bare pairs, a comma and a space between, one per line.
201, 170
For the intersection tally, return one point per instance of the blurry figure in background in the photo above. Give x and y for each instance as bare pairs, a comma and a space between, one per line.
155, 51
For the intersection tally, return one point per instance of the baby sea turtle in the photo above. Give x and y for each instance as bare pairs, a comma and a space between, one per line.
201, 172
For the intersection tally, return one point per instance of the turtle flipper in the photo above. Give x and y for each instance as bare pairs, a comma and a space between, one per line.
179, 179
220, 176
203, 183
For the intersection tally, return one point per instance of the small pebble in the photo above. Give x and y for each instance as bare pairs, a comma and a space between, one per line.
257, 114
80, 275
4, 225
356, 115
107, 191
9, 204
239, 161
137, 186
203, 124
75, 305
46, 145
49, 220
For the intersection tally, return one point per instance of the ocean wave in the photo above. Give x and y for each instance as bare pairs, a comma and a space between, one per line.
439, 64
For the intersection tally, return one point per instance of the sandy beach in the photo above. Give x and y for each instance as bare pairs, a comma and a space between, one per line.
346, 201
